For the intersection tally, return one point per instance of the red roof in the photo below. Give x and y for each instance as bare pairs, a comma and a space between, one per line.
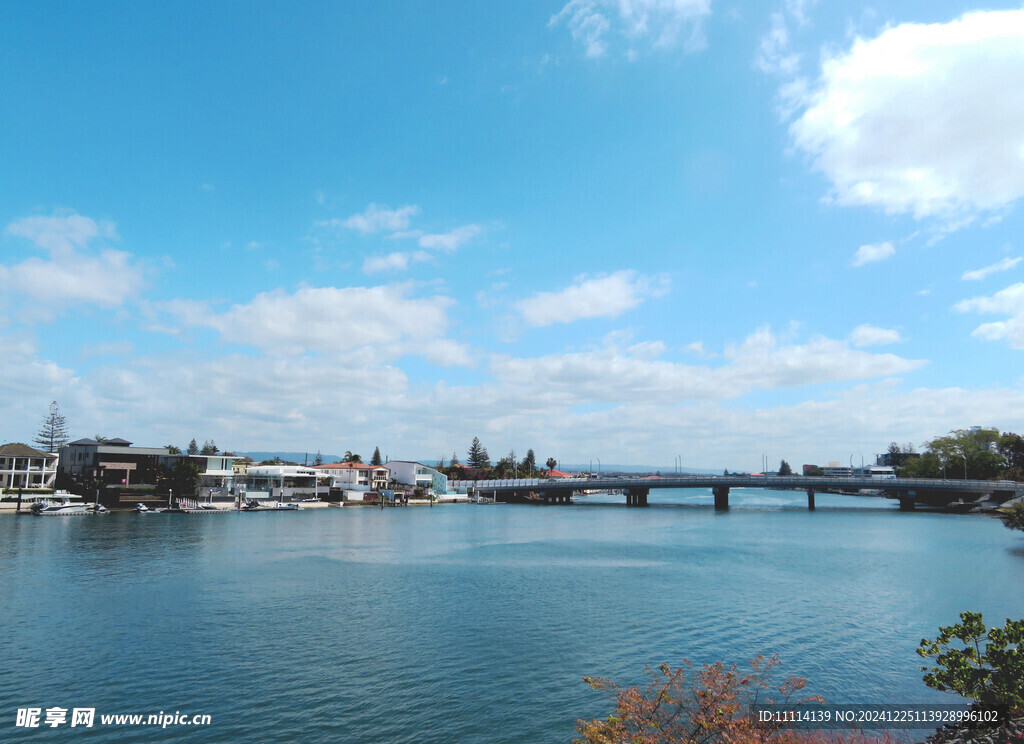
557, 474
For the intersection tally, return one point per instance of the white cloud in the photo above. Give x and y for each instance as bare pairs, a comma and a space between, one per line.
394, 261
924, 118
450, 241
372, 324
377, 217
774, 54
73, 273
760, 362
1009, 301
664, 23
598, 297
978, 274
869, 335
871, 253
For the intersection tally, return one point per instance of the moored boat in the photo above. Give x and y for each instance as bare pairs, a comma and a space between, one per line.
45, 508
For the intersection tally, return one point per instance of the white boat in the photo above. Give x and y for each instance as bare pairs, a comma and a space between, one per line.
141, 508
252, 505
44, 508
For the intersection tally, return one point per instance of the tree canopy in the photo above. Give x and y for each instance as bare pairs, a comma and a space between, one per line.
476, 456
375, 460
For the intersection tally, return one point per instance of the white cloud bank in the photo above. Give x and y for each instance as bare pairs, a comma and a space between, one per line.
73, 273
598, 297
662, 23
924, 118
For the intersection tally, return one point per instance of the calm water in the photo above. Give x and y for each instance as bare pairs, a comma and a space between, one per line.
472, 623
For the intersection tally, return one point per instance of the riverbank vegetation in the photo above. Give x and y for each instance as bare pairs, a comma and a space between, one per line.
971, 454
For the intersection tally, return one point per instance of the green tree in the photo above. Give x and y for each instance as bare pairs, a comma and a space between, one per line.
968, 453
209, 448
173, 450
784, 468
1013, 516
193, 448
183, 478
529, 464
990, 666
375, 460
551, 463
476, 456
53, 433
928, 465
351, 457
1011, 447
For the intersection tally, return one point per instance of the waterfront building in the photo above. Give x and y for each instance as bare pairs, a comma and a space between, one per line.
287, 479
215, 471
112, 461
355, 476
418, 475
22, 466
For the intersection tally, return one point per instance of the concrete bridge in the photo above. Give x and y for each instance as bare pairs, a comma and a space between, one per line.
636, 489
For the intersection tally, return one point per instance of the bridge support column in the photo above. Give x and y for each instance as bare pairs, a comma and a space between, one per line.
907, 504
637, 496
721, 497
810, 499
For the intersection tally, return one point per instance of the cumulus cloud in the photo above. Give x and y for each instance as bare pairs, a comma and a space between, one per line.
450, 241
373, 324
73, 273
871, 253
869, 335
978, 274
894, 123
598, 297
1009, 301
662, 23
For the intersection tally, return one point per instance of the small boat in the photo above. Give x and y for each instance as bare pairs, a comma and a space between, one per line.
45, 508
141, 508
253, 505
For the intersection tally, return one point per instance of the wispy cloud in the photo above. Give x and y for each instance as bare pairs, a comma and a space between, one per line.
397, 261
661, 23
869, 335
1009, 301
376, 218
978, 274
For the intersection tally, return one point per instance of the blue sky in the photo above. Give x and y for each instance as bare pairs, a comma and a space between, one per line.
603, 229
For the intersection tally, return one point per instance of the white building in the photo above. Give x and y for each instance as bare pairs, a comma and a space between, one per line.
418, 475
355, 476
281, 480
22, 466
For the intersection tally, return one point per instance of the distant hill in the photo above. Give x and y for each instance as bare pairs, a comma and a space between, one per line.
299, 457
613, 468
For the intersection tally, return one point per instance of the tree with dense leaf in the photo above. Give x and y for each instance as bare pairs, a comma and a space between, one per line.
1013, 516
551, 463
784, 468
715, 703
476, 456
1011, 447
193, 448
53, 434
351, 457
990, 666
376, 460
209, 448
529, 464
173, 450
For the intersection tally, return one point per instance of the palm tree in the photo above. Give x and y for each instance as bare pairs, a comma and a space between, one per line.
350, 457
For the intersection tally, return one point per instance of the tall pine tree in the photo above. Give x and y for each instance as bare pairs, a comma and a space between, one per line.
476, 456
375, 460
53, 434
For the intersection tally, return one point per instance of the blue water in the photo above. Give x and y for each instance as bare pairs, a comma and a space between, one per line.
464, 623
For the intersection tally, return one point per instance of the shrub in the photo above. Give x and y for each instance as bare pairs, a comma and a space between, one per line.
990, 666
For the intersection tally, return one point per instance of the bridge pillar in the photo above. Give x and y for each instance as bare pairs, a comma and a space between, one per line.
721, 497
810, 499
907, 504
637, 496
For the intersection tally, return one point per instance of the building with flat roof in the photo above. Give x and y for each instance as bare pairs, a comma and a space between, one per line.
355, 476
112, 461
22, 466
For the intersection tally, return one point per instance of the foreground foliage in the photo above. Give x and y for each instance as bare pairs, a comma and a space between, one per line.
703, 706
990, 666
1013, 517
